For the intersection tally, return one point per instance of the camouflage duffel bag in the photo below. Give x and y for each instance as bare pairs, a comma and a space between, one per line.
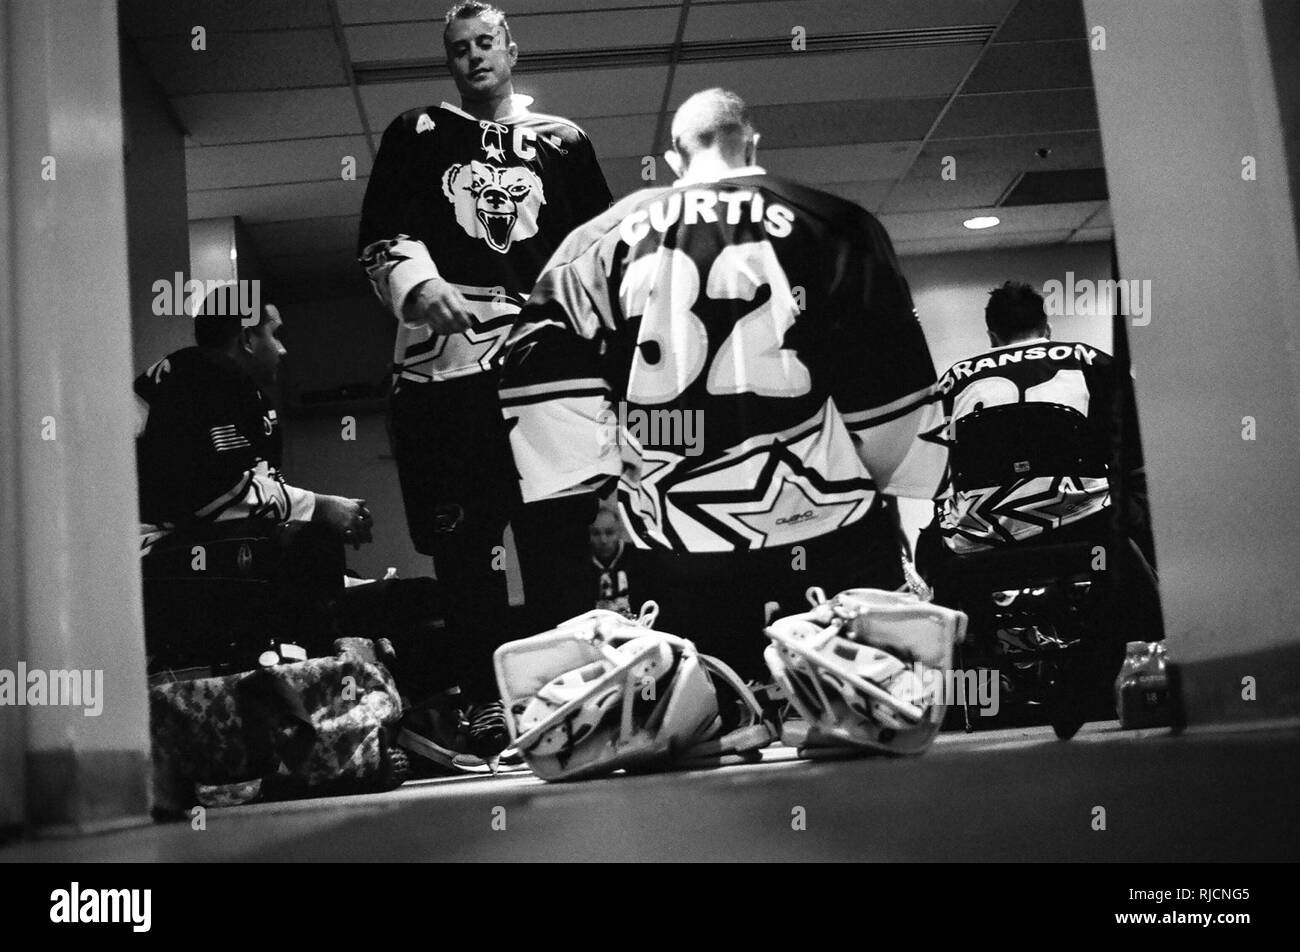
316, 727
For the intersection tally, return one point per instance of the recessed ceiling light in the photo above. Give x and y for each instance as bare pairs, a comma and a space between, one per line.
987, 221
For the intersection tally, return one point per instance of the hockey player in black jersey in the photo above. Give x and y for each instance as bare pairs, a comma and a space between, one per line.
208, 457
464, 206
1027, 366
1051, 485
741, 354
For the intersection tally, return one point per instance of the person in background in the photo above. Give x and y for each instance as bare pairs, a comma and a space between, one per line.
616, 576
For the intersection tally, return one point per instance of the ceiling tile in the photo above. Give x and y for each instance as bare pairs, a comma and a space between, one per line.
908, 226
841, 163
266, 163
278, 202
1092, 234
835, 123
869, 195
384, 102
1044, 20
368, 11
1008, 67
243, 61
163, 17
831, 77
215, 118
621, 136
638, 90
977, 242
965, 191
389, 42
716, 21
995, 154
625, 175
1019, 113
604, 92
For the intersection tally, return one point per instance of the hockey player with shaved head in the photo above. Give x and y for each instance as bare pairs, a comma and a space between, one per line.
774, 317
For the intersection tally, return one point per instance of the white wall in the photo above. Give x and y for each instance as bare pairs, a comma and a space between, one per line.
1185, 91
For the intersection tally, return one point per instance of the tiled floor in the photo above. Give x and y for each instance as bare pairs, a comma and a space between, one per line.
1005, 795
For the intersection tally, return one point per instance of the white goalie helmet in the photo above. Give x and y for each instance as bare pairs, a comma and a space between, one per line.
602, 692
862, 669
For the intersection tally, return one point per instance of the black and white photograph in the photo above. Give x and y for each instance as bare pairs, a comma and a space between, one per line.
651, 431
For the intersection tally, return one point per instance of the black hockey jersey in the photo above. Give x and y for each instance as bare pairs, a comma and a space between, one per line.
1065, 373
617, 581
481, 203
210, 448
743, 354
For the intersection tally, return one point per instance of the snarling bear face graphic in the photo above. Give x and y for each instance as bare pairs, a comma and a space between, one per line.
496, 204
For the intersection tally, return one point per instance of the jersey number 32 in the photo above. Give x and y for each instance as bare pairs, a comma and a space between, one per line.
673, 344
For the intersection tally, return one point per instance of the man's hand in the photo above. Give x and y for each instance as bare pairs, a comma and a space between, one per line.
348, 517
438, 304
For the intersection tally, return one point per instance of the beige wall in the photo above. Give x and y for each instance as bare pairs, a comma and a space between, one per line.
12, 723
156, 229
1185, 91
71, 573
950, 291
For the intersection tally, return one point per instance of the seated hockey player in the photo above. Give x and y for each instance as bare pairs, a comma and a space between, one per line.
208, 457
752, 349
1051, 486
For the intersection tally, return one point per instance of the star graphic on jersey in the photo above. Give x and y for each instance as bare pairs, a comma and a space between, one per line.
653, 468
785, 489
480, 345
789, 510
935, 435
494, 153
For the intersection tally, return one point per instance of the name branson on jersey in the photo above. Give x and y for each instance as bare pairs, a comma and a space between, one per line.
704, 205
968, 368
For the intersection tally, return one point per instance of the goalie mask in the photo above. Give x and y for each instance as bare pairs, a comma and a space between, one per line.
602, 692
864, 669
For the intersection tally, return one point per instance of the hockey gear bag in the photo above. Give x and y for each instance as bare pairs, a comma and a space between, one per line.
601, 693
865, 670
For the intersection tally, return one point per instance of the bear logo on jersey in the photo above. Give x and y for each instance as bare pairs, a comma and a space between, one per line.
499, 205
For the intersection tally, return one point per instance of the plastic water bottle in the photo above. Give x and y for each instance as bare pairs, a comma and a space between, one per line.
1142, 687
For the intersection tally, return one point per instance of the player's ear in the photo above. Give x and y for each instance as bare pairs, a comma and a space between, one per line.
751, 150
675, 162
513, 51
1047, 330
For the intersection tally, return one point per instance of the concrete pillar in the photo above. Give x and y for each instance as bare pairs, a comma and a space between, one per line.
1201, 200
70, 577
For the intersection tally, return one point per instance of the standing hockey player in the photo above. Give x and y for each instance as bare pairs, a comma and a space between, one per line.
742, 353
463, 208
